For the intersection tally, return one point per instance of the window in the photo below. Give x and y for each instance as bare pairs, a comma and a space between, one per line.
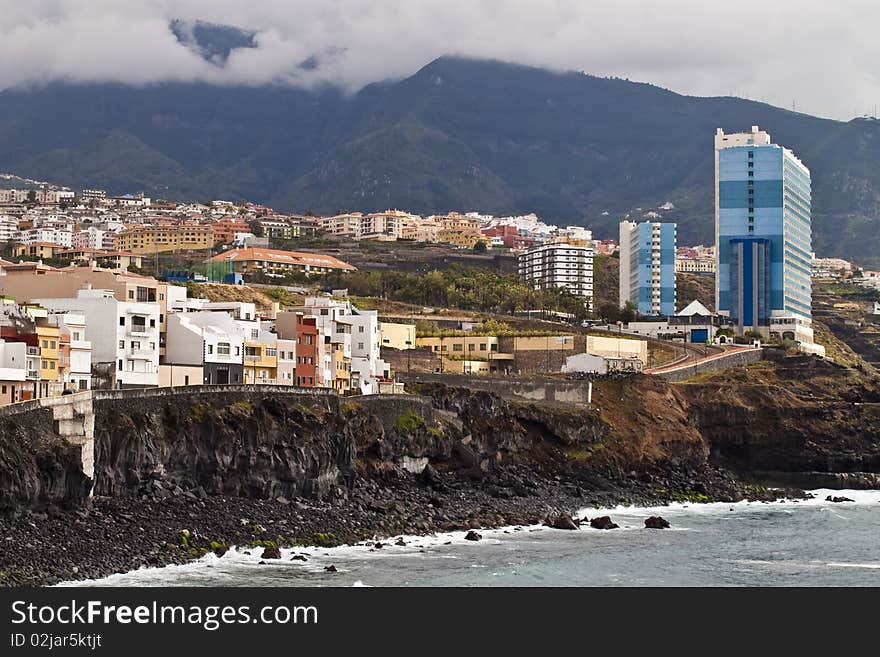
152, 323
153, 346
45, 344
472, 347
44, 364
255, 333
238, 351
251, 351
360, 329
482, 346
120, 364
210, 349
135, 344
308, 339
122, 344
360, 345
271, 352
222, 348
131, 294
76, 336
52, 344
324, 312
161, 297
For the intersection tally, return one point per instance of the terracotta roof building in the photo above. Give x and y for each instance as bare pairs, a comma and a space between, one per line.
253, 259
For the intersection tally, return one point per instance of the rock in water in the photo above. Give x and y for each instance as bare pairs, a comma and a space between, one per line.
562, 521
271, 552
656, 522
472, 536
330, 569
838, 499
603, 522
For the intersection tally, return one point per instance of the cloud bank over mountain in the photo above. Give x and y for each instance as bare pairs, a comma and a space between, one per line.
816, 56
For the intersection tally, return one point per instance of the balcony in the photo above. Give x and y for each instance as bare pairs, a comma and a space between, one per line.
141, 354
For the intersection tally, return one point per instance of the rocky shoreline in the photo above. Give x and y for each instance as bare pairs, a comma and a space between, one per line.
170, 525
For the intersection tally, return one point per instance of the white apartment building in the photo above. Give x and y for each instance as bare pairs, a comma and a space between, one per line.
13, 363
286, 362
695, 265
8, 228
48, 235
91, 238
367, 369
124, 335
210, 339
72, 327
560, 264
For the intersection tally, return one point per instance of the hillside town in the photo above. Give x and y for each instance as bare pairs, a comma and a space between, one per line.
87, 304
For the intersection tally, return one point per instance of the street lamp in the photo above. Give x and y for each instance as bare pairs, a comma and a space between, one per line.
619, 338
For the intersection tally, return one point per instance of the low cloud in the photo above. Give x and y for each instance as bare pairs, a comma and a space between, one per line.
816, 56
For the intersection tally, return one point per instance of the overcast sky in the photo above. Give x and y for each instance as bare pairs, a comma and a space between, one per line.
820, 55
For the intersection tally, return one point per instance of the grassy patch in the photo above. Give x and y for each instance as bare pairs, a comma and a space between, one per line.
409, 421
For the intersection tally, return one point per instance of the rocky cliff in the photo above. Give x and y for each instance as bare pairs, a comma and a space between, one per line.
802, 421
38, 468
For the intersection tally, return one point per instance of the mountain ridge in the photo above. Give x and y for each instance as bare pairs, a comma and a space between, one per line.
459, 134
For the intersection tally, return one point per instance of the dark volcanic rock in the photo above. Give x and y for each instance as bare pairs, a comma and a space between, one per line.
656, 522
331, 568
838, 499
430, 477
472, 536
562, 521
603, 522
271, 552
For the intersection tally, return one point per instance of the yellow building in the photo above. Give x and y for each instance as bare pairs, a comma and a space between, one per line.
153, 239
397, 336
341, 367
260, 362
466, 345
462, 238
51, 381
42, 250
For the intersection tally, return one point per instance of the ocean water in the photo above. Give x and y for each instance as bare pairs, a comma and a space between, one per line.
788, 543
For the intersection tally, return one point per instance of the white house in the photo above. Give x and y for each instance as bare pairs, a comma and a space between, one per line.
73, 330
366, 367
212, 340
124, 335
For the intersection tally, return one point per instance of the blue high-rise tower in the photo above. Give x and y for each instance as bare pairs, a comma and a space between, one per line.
647, 267
762, 236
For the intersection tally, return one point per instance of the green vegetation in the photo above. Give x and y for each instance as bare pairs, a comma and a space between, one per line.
351, 407
199, 412
695, 498
325, 539
409, 421
458, 287
241, 408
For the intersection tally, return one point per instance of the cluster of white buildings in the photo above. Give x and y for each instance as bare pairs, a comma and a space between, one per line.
86, 327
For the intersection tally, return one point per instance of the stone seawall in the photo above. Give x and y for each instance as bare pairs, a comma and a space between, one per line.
727, 361
532, 388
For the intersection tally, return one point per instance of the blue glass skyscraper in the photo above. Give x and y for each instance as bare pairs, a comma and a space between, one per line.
762, 235
647, 267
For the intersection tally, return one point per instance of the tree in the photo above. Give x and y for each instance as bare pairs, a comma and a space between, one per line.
256, 227
480, 247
